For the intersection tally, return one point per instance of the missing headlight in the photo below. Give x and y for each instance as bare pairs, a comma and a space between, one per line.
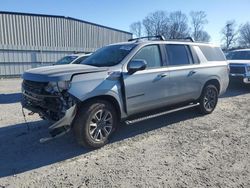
57, 86
63, 85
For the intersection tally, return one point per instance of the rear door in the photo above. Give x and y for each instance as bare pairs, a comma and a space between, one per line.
184, 71
145, 90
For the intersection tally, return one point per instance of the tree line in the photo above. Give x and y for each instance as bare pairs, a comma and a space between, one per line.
235, 36
172, 25
177, 24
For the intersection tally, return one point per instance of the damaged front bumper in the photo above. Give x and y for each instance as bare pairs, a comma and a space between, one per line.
58, 107
62, 126
66, 120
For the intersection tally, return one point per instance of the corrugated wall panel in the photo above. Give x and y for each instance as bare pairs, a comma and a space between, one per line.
4, 29
1, 29
28, 41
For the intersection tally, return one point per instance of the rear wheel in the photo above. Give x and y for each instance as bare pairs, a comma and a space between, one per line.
208, 99
94, 123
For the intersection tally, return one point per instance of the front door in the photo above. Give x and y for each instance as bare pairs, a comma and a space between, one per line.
145, 90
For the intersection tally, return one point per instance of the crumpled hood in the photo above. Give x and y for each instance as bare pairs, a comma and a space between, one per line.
238, 61
59, 72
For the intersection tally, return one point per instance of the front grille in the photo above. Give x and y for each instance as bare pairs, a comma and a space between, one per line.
34, 87
34, 95
237, 70
31, 92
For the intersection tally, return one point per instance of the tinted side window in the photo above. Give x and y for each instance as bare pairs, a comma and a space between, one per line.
177, 54
151, 54
212, 53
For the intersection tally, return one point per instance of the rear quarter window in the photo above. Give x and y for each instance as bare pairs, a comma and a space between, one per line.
212, 53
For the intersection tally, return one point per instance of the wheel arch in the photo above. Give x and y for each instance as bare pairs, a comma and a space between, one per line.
214, 82
112, 100
202, 107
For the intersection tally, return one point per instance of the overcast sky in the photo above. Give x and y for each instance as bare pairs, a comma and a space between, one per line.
120, 14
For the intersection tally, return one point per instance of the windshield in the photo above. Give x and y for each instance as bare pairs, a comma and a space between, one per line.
109, 55
66, 60
239, 55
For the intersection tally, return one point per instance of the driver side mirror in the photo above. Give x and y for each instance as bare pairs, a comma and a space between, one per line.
136, 65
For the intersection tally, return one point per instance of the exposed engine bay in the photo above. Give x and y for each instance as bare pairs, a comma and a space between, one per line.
49, 99
52, 102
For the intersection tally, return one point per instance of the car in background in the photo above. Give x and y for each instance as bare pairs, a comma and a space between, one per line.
72, 59
239, 63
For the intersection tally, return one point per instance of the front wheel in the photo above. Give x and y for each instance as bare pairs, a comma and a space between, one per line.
94, 123
208, 99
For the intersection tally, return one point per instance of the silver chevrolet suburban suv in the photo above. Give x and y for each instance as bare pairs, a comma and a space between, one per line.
131, 81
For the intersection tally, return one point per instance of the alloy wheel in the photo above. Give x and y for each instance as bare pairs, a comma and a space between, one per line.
210, 99
101, 125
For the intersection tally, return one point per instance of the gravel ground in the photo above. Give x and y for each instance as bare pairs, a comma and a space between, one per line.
177, 150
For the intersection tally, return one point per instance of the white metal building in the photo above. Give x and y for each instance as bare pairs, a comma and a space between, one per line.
32, 40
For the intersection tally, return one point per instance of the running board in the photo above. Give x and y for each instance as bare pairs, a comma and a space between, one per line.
128, 122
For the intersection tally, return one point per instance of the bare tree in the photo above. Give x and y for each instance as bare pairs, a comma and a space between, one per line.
203, 36
136, 29
178, 25
156, 23
244, 35
229, 34
172, 26
198, 20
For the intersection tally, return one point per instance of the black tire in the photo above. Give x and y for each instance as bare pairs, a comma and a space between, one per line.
208, 99
90, 130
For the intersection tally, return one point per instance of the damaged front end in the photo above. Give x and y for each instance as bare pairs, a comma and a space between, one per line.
52, 102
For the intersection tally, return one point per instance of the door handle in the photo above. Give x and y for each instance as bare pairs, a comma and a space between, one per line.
162, 75
191, 73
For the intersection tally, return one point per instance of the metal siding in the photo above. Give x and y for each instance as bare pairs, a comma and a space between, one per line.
1, 30
28, 41
4, 30
24, 29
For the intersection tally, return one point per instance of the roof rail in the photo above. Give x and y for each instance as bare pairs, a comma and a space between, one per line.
190, 38
156, 37
184, 39
161, 37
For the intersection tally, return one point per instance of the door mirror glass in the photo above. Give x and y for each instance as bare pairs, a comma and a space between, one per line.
136, 65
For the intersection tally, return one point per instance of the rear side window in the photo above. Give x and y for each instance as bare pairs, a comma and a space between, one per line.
212, 53
151, 54
178, 54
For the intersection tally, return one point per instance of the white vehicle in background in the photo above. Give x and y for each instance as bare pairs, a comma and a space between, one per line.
76, 58
239, 62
